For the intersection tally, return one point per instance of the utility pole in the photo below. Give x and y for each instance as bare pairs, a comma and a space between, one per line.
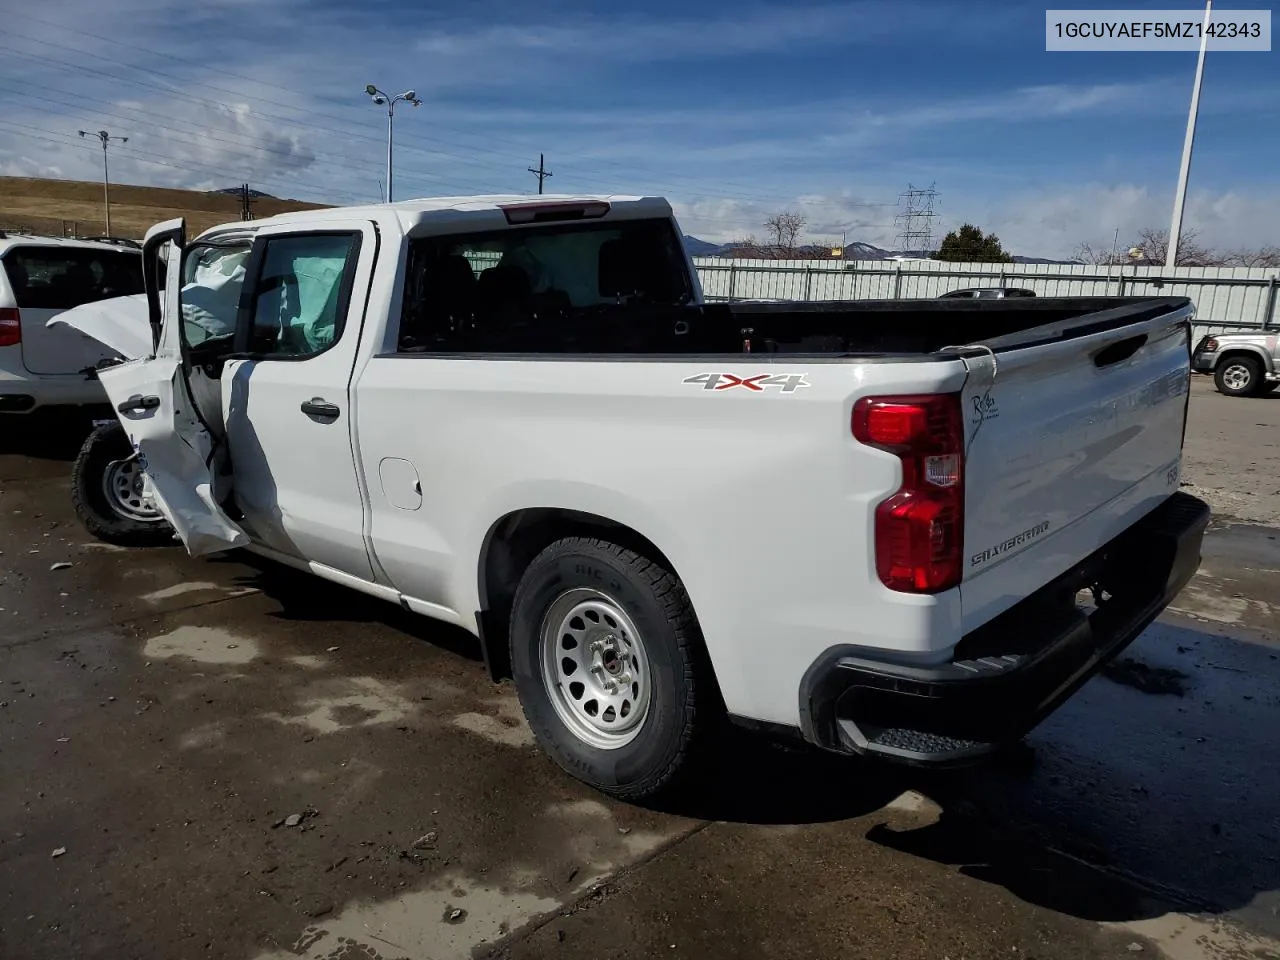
1180, 198
541, 173
106, 180
381, 98
246, 213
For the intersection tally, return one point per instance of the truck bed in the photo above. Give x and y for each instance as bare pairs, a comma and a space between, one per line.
852, 328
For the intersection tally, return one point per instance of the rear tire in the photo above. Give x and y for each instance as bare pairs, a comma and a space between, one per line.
609, 667
104, 493
1239, 376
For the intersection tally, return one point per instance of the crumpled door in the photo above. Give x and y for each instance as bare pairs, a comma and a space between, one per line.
153, 402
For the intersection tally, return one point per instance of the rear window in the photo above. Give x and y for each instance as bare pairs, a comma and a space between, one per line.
478, 291
59, 278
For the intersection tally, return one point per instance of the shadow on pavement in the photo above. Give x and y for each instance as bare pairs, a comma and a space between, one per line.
1167, 788
1132, 796
307, 597
47, 435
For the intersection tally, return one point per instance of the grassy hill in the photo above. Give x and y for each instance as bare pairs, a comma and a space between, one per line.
67, 207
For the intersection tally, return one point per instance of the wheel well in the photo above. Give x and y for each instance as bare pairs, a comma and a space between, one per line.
1241, 352
510, 547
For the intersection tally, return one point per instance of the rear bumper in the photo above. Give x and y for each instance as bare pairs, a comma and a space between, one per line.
1203, 362
1010, 674
23, 395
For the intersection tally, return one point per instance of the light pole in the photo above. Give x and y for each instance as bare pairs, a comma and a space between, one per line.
380, 98
106, 182
1180, 198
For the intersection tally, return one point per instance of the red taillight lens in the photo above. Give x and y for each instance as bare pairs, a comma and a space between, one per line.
10, 326
919, 531
1210, 345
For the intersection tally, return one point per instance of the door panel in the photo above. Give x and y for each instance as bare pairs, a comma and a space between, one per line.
286, 409
175, 451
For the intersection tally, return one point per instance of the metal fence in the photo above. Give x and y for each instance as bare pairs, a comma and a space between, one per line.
1225, 297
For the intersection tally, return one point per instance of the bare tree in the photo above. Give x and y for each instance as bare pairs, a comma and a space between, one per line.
1263, 257
1154, 247
749, 248
1087, 253
784, 230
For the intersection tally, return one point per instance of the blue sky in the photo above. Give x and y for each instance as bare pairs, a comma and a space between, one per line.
732, 110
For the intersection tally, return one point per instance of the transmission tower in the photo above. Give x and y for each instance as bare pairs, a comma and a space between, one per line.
915, 221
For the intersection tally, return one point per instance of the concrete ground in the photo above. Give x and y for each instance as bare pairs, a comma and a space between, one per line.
226, 759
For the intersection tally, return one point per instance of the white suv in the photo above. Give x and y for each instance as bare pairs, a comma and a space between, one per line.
40, 277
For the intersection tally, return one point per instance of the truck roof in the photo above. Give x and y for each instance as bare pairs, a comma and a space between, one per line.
422, 214
10, 239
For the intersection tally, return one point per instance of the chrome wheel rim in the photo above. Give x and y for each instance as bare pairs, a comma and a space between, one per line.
1236, 376
122, 486
595, 668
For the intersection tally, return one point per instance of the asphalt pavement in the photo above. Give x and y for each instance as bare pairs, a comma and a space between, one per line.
223, 758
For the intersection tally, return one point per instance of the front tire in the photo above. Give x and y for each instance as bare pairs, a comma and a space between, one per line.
609, 667
106, 492
1239, 376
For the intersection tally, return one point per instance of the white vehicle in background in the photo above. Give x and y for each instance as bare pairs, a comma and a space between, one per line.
908, 529
40, 278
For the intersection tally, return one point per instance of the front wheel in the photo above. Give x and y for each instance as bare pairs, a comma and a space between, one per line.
609, 666
107, 492
1239, 377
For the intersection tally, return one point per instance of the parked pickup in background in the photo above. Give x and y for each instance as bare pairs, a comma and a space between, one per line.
908, 529
1243, 364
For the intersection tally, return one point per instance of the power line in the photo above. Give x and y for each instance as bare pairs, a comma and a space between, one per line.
697, 185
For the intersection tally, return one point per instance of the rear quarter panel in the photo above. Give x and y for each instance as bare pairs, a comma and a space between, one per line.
762, 500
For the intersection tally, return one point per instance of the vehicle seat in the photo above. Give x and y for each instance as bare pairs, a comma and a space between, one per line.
633, 269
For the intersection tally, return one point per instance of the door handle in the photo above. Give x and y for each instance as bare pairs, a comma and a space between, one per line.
320, 409
138, 403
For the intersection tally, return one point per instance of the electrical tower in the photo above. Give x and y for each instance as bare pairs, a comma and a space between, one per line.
915, 221
541, 172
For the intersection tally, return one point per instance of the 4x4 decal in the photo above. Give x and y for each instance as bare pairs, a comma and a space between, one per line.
787, 382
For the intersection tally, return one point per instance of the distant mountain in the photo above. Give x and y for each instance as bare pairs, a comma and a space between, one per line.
702, 248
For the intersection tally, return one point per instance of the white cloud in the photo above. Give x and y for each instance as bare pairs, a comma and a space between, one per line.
1053, 222
1049, 222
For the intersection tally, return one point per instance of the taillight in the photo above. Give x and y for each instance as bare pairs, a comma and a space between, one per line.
919, 531
1209, 345
10, 326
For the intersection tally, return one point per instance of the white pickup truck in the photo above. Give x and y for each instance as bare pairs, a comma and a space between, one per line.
908, 529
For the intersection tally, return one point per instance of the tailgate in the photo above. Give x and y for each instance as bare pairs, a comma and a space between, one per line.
1070, 442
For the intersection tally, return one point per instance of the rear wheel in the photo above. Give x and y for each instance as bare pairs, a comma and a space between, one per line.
107, 492
1239, 376
609, 666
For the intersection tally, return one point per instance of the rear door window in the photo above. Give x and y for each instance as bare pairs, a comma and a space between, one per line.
59, 278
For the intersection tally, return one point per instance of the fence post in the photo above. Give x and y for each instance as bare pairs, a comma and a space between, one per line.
1120, 284
1271, 302
897, 280
808, 282
733, 276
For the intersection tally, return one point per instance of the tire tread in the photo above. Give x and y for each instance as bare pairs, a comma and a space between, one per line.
671, 597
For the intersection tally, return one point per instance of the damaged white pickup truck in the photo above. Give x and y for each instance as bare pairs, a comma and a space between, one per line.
908, 529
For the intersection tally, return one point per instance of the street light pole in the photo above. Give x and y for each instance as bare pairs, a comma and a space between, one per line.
1180, 198
381, 98
106, 180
